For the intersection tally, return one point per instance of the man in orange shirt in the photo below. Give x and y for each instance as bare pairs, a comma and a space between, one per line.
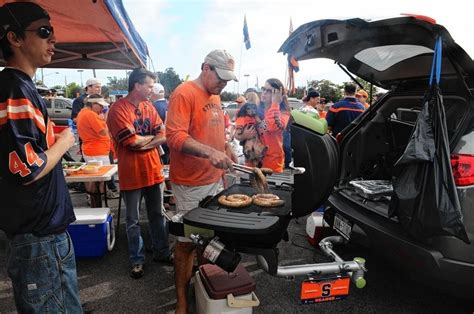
198, 151
137, 131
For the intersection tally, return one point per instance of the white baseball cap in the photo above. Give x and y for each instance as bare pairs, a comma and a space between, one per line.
158, 89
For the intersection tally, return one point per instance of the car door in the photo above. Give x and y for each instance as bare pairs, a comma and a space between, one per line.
317, 152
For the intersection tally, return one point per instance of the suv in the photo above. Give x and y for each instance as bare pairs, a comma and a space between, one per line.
59, 109
394, 54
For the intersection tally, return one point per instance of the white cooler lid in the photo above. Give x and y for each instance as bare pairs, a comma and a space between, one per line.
90, 216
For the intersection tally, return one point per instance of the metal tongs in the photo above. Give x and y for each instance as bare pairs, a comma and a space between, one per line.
250, 170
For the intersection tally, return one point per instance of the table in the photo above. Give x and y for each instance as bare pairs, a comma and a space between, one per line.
105, 174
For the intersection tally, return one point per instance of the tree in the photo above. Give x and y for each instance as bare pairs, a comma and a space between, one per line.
72, 90
327, 89
228, 96
169, 79
115, 83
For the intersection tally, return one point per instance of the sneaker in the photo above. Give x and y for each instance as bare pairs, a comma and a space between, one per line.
137, 271
167, 260
112, 194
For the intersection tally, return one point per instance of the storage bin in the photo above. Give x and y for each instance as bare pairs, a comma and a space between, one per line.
92, 233
220, 292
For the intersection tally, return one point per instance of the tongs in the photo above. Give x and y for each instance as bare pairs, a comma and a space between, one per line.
251, 170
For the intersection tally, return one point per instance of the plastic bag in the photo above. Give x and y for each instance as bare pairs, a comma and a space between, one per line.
425, 196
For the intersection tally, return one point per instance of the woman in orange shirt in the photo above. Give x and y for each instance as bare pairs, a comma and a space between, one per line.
272, 117
93, 132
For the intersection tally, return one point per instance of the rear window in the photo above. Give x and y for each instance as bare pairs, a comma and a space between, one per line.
48, 102
466, 144
383, 57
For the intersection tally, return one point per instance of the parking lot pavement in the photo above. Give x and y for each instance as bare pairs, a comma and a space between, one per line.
105, 284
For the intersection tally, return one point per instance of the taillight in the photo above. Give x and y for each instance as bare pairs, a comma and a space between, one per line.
463, 169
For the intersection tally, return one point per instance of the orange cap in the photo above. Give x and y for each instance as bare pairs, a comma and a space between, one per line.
362, 93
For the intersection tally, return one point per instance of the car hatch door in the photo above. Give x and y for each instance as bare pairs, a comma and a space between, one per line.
384, 52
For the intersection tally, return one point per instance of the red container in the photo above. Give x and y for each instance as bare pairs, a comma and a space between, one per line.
59, 128
219, 283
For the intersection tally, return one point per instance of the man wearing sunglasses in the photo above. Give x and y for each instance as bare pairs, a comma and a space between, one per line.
198, 151
36, 207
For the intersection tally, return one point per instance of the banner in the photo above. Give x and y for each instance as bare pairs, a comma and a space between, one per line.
246, 34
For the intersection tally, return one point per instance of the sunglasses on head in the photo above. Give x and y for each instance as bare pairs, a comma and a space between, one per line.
43, 32
138, 113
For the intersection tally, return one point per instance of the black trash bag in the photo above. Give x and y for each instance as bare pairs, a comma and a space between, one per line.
425, 197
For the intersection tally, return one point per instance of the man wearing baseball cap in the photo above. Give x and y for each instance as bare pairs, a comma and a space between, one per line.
198, 151
93, 86
36, 207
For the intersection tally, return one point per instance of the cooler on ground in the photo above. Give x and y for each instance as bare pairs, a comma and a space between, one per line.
220, 292
92, 233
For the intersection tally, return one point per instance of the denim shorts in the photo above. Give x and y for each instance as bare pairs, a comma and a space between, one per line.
43, 274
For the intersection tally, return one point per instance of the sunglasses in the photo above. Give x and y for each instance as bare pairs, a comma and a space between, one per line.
138, 113
213, 68
43, 32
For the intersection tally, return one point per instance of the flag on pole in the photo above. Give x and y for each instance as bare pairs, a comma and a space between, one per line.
246, 34
293, 67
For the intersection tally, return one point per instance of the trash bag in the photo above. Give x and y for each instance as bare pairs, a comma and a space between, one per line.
425, 197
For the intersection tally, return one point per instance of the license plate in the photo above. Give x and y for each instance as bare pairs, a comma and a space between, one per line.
316, 291
342, 226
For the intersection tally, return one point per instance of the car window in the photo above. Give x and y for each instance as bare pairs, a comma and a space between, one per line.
231, 106
61, 104
48, 102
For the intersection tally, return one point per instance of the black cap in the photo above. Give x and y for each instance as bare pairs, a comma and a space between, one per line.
311, 93
19, 15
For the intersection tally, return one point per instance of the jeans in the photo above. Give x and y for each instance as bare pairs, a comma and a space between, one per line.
158, 224
43, 274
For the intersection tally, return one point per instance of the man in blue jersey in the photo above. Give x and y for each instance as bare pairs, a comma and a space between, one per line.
36, 208
342, 113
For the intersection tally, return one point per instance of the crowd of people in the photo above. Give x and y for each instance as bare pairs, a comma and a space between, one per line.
143, 131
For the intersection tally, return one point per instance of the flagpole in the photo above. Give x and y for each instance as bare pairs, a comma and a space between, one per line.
240, 65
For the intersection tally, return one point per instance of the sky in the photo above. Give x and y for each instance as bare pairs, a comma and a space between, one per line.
179, 34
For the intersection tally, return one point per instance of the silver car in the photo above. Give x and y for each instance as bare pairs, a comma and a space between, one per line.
59, 109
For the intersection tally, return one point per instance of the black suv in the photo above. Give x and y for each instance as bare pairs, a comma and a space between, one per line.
394, 54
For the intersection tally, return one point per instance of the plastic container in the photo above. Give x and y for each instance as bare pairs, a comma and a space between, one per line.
92, 233
373, 189
59, 128
220, 292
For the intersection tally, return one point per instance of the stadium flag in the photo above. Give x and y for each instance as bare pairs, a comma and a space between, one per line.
246, 34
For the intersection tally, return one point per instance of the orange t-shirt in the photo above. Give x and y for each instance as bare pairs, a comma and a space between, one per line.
275, 121
137, 169
193, 113
89, 124
322, 114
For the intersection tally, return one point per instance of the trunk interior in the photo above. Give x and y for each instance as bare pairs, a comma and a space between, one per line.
371, 152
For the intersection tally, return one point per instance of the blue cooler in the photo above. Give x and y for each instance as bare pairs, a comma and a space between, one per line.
92, 233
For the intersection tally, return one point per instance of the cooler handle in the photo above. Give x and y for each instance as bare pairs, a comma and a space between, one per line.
233, 302
110, 235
